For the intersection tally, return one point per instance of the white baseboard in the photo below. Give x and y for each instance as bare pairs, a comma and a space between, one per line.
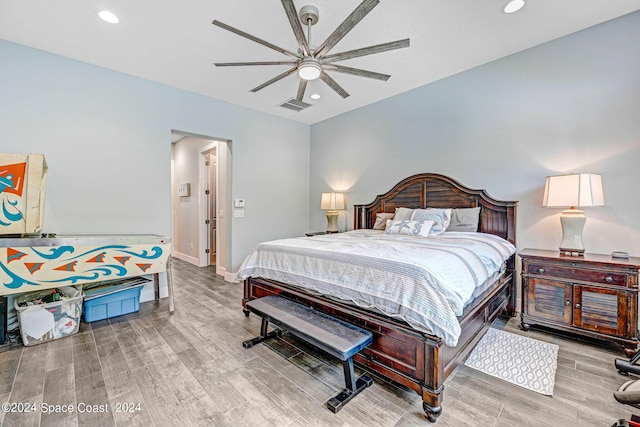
228, 277
187, 258
148, 293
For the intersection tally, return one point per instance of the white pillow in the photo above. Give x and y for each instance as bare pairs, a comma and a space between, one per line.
403, 213
381, 220
440, 217
415, 228
464, 219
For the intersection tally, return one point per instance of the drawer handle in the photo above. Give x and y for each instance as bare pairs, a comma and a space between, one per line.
567, 302
608, 279
578, 306
541, 270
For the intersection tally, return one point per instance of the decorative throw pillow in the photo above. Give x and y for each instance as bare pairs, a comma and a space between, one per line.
415, 228
440, 217
464, 219
381, 220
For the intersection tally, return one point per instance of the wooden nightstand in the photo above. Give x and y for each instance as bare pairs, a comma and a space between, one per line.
592, 295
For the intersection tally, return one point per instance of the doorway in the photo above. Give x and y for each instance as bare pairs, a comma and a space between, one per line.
210, 179
200, 182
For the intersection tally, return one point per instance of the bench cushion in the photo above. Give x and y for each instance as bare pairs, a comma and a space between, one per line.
338, 338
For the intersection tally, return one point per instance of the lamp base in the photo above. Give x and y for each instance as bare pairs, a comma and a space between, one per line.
569, 252
332, 222
572, 221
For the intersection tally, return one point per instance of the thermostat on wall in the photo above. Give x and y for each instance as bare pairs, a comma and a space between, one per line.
184, 190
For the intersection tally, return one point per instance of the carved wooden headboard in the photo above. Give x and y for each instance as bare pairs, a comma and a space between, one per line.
438, 191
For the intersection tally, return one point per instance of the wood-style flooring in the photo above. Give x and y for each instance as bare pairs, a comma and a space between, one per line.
155, 369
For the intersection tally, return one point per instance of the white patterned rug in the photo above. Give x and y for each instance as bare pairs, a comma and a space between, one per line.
520, 360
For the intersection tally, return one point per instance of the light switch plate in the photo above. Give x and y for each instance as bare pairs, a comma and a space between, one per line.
238, 203
184, 190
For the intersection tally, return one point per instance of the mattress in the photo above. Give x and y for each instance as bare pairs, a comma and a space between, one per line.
424, 281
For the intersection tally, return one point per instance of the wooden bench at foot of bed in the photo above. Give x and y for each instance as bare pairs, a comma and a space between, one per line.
338, 338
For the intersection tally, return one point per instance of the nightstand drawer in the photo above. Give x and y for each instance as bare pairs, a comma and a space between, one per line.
579, 273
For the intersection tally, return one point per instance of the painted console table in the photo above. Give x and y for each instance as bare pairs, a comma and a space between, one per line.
34, 263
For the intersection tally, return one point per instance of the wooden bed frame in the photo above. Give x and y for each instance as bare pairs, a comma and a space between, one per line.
399, 353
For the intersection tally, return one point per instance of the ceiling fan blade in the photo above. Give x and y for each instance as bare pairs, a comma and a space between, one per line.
333, 84
301, 88
292, 14
275, 79
370, 50
347, 25
255, 39
239, 64
358, 72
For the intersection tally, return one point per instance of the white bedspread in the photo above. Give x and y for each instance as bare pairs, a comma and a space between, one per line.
425, 281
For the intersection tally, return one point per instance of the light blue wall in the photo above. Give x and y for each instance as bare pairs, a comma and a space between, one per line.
106, 138
570, 105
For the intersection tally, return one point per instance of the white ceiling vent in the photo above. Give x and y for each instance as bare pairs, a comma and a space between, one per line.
295, 105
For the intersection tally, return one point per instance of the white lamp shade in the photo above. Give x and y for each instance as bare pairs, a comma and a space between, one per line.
573, 190
332, 201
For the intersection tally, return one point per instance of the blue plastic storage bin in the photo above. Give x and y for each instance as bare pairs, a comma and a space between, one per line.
113, 304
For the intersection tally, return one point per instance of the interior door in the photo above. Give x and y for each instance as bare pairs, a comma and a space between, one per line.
212, 207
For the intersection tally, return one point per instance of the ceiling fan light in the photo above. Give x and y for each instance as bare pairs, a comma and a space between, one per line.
513, 6
309, 69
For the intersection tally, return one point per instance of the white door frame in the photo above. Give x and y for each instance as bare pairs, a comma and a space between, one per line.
223, 199
204, 258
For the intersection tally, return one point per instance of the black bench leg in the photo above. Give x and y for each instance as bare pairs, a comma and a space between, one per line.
353, 387
263, 335
349, 375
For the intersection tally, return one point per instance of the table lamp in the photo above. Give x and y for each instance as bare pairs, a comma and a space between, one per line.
573, 190
332, 202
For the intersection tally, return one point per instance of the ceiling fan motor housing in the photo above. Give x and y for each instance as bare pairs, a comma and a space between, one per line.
309, 15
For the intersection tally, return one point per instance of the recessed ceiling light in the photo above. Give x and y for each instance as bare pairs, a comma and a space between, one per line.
315, 96
109, 17
513, 6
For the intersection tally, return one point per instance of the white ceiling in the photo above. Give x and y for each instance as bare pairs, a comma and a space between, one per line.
173, 42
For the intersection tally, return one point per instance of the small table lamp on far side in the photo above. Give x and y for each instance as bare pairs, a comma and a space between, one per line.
571, 191
332, 203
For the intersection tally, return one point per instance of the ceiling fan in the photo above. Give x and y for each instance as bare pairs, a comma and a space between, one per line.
312, 63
